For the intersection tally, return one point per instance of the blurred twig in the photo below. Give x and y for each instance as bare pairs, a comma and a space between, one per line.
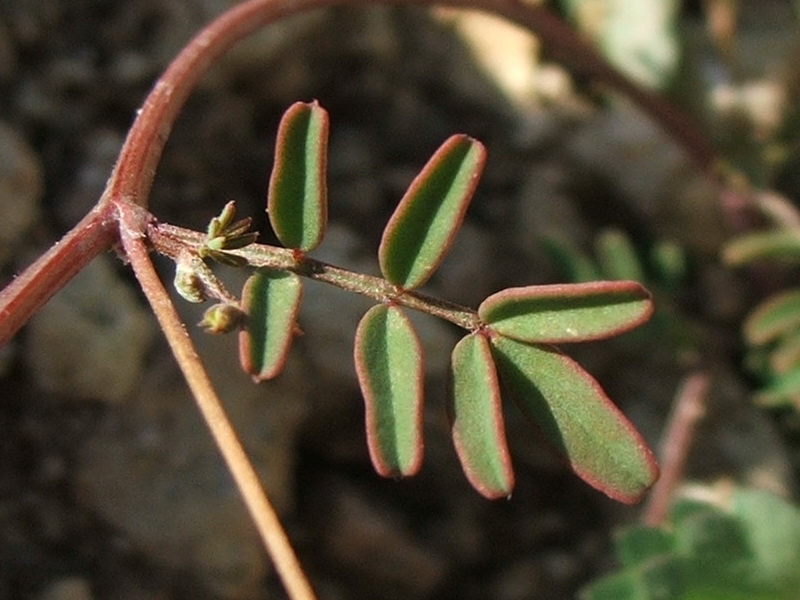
689, 407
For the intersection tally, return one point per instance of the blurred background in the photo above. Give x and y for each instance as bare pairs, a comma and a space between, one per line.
110, 487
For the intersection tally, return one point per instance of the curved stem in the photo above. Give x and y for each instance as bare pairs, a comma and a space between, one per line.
133, 174
127, 195
132, 221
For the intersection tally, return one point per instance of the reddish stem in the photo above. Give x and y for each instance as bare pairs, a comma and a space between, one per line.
21, 298
132, 177
133, 219
689, 408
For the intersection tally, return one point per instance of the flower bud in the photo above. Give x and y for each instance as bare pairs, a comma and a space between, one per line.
222, 318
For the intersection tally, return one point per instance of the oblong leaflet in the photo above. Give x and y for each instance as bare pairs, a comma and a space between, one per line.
425, 222
567, 312
577, 418
271, 301
777, 315
781, 244
388, 359
297, 202
476, 417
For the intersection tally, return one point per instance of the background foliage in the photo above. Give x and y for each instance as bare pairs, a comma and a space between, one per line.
108, 485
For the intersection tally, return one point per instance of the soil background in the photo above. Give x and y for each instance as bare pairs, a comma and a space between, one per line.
109, 485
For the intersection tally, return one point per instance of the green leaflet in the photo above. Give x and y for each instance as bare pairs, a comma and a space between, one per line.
571, 261
388, 359
638, 545
297, 203
476, 415
662, 574
578, 419
617, 256
771, 526
785, 388
271, 300
770, 244
786, 354
424, 224
567, 312
773, 317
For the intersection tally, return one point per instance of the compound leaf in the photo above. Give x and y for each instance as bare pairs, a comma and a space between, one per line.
388, 358
476, 416
270, 300
567, 312
578, 419
773, 317
297, 203
426, 220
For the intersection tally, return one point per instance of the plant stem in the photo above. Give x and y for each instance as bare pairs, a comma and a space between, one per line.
171, 240
132, 222
133, 174
688, 409
132, 177
21, 298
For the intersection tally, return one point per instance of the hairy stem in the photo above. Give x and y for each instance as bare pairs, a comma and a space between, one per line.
21, 298
132, 223
171, 241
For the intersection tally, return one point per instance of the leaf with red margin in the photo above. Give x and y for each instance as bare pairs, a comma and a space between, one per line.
425, 222
476, 416
388, 359
567, 312
577, 418
297, 203
271, 301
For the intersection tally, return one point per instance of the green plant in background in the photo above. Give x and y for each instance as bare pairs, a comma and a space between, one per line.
508, 345
661, 267
772, 329
616, 257
745, 547
509, 338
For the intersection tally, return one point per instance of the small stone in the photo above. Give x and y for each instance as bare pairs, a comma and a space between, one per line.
90, 340
505, 50
371, 547
152, 471
21, 188
71, 588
